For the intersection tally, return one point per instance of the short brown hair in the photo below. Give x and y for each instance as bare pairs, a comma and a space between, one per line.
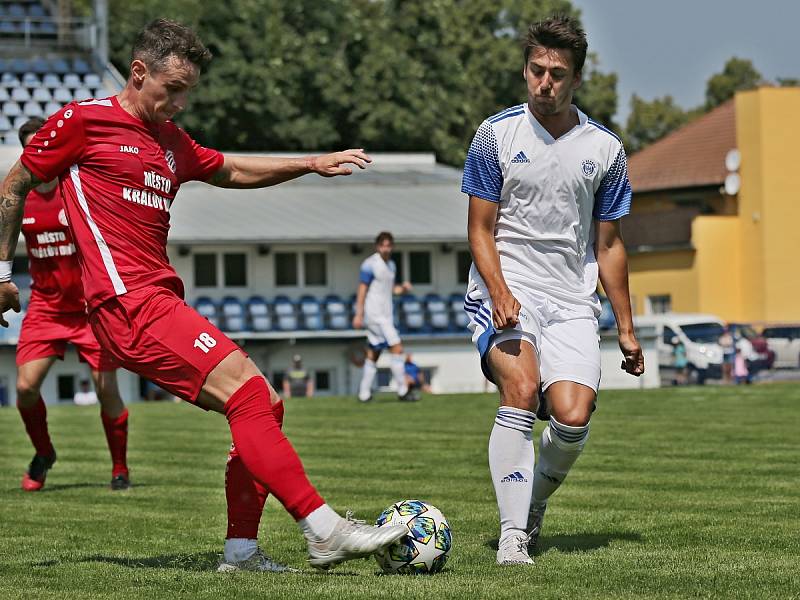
559, 31
30, 127
384, 236
163, 38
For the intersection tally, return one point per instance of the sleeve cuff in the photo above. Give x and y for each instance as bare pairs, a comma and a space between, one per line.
483, 194
39, 175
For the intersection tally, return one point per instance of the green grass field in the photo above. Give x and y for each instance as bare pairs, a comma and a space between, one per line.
691, 492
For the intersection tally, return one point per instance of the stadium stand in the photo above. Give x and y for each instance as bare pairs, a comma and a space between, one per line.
48, 60
260, 314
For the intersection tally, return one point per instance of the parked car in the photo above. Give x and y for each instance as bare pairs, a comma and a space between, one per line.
761, 356
700, 336
784, 340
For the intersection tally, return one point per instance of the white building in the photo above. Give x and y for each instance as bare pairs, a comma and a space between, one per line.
307, 238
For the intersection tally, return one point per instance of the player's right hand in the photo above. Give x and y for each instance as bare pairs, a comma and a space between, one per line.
505, 312
358, 322
330, 165
9, 299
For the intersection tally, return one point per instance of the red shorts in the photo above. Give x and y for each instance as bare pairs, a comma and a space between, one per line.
45, 334
155, 334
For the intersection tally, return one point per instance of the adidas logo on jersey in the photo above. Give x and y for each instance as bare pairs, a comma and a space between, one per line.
515, 477
520, 158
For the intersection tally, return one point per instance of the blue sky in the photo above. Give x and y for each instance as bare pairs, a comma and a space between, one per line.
660, 47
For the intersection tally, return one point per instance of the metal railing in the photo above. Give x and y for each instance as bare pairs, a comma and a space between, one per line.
80, 33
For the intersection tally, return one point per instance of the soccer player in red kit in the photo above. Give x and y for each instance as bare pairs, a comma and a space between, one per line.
120, 162
57, 316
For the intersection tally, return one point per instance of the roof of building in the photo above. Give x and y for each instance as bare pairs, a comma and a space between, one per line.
409, 195
692, 156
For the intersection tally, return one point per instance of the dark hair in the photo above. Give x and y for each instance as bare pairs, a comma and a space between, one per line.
30, 126
163, 38
559, 31
384, 236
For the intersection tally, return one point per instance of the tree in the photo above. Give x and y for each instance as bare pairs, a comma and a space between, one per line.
737, 74
388, 75
597, 95
650, 121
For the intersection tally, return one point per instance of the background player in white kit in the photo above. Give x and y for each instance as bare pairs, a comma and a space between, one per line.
547, 187
374, 309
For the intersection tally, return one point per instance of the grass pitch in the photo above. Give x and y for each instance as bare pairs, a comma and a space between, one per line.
690, 492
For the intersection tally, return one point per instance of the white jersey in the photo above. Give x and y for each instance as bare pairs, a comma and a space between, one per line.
550, 192
379, 275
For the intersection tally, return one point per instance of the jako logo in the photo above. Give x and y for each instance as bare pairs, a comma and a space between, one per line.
515, 477
129, 149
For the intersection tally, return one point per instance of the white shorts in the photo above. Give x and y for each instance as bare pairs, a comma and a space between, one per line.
568, 345
382, 334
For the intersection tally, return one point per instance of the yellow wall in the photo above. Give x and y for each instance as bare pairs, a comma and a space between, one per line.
746, 266
767, 133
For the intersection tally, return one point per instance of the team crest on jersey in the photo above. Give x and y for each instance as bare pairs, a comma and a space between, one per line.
589, 167
170, 158
62, 218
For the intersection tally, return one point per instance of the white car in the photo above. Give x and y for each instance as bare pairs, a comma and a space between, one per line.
784, 340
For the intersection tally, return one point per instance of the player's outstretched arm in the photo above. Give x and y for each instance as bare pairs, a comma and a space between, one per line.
480, 230
263, 171
14, 189
612, 263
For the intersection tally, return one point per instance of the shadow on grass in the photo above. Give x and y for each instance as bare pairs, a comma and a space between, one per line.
199, 561
582, 542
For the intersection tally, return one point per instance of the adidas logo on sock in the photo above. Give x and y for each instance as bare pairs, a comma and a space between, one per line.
520, 158
516, 476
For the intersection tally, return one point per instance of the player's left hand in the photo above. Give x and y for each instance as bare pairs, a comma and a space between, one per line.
9, 299
331, 165
633, 362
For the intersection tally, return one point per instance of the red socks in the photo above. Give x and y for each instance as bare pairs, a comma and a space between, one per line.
35, 419
266, 453
244, 494
117, 438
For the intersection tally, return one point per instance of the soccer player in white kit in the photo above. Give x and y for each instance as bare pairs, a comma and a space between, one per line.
547, 187
374, 309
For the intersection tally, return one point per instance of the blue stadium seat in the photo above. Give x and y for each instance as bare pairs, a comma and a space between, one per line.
438, 314
9, 80
40, 65
81, 94
48, 28
42, 94
4, 95
59, 66
11, 109
208, 309
5, 124
460, 317
51, 80
285, 314
412, 316
30, 80
18, 66
234, 314
62, 95
16, 10
33, 109
260, 314
51, 108
36, 10
20, 94
337, 312
72, 80
18, 122
80, 66
92, 80
311, 311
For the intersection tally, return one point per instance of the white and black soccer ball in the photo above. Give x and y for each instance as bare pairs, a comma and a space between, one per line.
425, 548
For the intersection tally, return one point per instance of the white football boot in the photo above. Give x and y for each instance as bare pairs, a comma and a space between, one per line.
514, 551
257, 562
352, 539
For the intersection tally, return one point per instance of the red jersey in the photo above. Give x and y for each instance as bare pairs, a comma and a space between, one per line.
55, 272
118, 176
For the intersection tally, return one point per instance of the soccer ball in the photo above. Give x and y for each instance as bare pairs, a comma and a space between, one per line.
425, 548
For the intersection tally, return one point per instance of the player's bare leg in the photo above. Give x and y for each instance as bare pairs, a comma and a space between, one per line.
515, 368
570, 406
114, 416
30, 376
237, 388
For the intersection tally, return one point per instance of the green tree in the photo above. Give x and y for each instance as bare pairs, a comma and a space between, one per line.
737, 74
650, 121
597, 95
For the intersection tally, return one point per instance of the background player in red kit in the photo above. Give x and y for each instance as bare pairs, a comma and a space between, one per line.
57, 316
120, 162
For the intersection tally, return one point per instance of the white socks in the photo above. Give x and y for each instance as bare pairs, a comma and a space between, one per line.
239, 549
367, 377
511, 460
559, 448
399, 373
319, 525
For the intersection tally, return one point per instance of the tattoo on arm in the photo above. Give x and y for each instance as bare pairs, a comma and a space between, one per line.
222, 178
13, 191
